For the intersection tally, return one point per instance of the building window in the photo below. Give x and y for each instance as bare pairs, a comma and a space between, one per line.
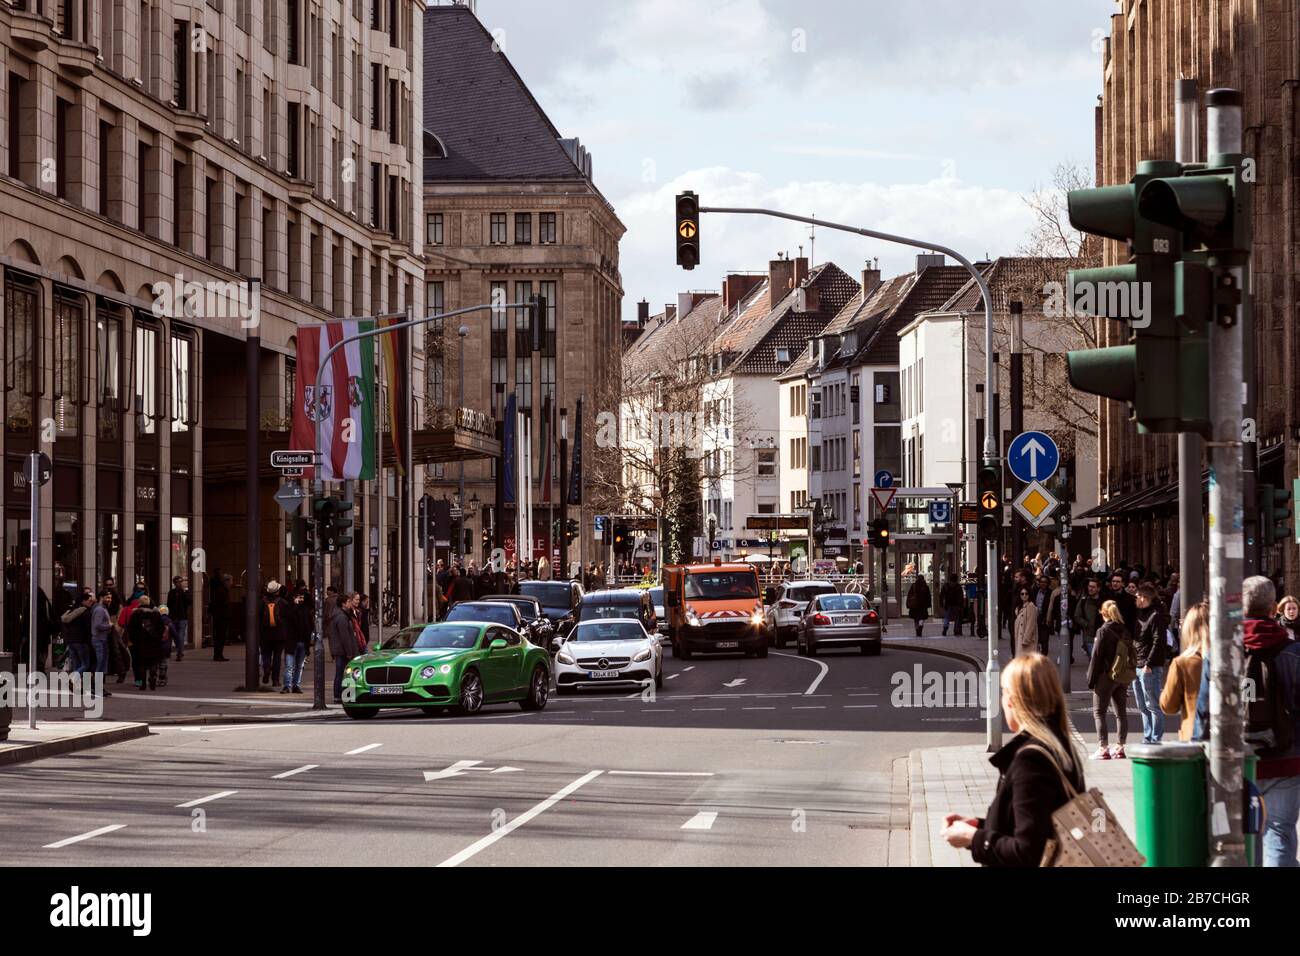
523, 348
766, 462
108, 352
546, 228
497, 235
184, 382
146, 361
69, 320
433, 229
22, 309
500, 331
376, 91
523, 228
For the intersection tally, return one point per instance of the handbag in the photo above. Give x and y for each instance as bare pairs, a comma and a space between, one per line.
1086, 832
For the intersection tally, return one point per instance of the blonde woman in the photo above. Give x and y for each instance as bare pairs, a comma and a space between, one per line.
1184, 681
1107, 692
1030, 768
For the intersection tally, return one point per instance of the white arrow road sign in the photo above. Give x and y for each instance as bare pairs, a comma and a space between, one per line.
460, 766
734, 683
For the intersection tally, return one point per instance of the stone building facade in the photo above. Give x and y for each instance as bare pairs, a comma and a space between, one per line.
169, 142
1253, 46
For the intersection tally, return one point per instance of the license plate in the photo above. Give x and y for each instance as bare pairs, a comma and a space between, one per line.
847, 619
599, 674
726, 644
384, 690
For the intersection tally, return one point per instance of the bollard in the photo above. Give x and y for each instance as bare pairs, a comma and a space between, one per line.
1169, 802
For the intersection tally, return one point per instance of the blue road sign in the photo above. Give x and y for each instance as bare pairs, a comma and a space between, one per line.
884, 479
600, 522
1033, 456
940, 511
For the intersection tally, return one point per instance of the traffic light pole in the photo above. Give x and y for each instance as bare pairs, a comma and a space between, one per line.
318, 483
1227, 540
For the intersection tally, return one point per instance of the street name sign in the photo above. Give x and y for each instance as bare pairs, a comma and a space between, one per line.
292, 458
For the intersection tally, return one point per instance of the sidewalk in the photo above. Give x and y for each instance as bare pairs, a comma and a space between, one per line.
943, 780
62, 736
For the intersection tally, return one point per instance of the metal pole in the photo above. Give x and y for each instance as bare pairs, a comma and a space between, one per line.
1064, 642
318, 483
564, 494
252, 516
33, 584
994, 728
460, 403
1227, 744
1191, 446
406, 460
1017, 422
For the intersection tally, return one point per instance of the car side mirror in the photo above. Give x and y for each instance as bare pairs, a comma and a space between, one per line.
497, 644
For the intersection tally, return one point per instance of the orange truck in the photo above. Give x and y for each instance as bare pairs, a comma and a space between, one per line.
714, 607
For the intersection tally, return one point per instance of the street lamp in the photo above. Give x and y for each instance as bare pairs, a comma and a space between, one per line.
461, 332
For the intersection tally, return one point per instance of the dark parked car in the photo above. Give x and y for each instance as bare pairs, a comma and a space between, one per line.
530, 609
619, 603
494, 612
559, 599
839, 620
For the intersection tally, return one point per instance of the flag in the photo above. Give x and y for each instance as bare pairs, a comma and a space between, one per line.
548, 439
575, 472
345, 405
508, 453
393, 349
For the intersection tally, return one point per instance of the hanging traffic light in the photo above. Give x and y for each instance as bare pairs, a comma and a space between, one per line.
879, 536
571, 530
990, 500
341, 523
1275, 504
688, 230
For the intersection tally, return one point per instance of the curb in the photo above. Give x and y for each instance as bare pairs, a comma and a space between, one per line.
236, 718
975, 662
64, 745
918, 838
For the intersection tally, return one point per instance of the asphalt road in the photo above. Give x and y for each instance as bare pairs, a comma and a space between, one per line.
787, 760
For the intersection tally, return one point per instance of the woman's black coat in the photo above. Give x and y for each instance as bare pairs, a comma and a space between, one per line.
1019, 820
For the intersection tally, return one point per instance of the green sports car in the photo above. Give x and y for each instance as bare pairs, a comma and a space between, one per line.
461, 665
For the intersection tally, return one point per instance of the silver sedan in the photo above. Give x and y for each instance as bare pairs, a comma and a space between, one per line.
839, 621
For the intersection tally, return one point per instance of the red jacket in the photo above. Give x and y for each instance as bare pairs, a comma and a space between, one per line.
1260, 634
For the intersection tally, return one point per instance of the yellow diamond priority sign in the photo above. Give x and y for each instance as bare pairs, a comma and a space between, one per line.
1036, 504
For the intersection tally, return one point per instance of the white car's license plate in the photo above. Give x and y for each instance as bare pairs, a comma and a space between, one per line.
381, 690
599, 674
724, 644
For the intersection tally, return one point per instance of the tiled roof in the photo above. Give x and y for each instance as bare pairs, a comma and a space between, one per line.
663, 341
798, 367
753, 309
931, 288
480, 108
1019, 275
785, 328
866, 317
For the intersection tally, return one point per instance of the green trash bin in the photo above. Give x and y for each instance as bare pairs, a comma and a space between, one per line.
1169, 803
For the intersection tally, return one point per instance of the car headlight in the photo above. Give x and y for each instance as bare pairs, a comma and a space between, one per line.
356, 673
444, 669
427, 672
692, 619
564, 657
642, 655
756, 618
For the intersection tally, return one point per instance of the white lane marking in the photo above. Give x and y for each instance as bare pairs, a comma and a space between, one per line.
606, 700
657, 710
811, 707
709, 708
734, 683
84, 836
691, 668
476, 848
877, 695
758, 708
290, 773
361, 750
825, 668
608, 712
659, 773
210, 797
858, 706
701, 821
671, 676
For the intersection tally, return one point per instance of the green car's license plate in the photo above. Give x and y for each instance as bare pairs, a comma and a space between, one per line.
380, 690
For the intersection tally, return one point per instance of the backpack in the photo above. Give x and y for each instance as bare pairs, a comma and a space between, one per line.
1269, 724
268, 614
1123, 669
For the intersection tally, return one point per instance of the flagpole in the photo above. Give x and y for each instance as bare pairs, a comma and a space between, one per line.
382, 559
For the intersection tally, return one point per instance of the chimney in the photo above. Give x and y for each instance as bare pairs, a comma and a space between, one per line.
642, 313
800, 270
735, 287
810, 298
870, 280
780, 273
670, 312
926, 259
685, 302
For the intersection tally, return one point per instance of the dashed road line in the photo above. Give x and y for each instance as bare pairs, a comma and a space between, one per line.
361, 750
296, 770
84, 836
208, 799
701, 821
659, 773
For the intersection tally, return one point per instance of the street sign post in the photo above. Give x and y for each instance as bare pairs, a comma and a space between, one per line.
37, 469
1036, 504
1033, 456
290, 497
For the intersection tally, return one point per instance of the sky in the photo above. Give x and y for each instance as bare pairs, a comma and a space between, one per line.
927, 118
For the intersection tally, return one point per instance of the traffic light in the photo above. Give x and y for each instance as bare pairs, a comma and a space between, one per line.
341, 523
622, 539
879, 536
990, 500
1063, 522
486, 537
301, 539
571, 530
330, 519
688, 230
422, 516
1275, 503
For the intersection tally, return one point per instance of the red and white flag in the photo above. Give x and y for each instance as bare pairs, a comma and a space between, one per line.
344, 407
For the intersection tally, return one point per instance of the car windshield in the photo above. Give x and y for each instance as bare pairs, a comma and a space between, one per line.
432, 636
657, 597
495, 613
721, 585
608, 631
842, 602
810, 591
527, 609
608, 611
548, 595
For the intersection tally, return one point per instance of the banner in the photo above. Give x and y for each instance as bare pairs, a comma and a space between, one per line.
508, 446
548, 450
344, 406
393, 350
575, 471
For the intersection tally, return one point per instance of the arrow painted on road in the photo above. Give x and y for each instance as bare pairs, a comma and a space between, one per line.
1034, 448
460, 766
735, 683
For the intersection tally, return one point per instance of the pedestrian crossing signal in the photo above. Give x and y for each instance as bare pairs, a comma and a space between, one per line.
688, 230
990, 500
